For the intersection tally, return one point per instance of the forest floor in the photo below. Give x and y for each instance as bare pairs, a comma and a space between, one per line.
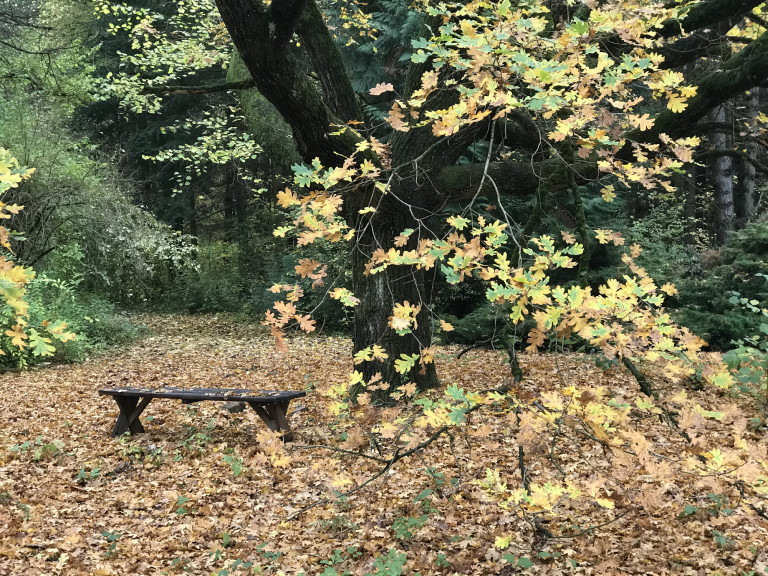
205, 491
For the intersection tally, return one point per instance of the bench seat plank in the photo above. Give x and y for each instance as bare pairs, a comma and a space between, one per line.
270, 405
203, 394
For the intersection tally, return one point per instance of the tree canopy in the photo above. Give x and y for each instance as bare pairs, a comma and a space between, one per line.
560, 95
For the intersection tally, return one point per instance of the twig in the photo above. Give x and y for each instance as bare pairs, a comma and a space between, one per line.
472, 347
521, 465
759, 511
541, 530
341, 450
645, 384
345, 494
451, 441
555, 436
389, 463
171, 90
591, 528
514, 365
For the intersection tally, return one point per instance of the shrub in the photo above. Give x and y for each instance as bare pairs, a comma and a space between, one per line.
710, 304
92, 319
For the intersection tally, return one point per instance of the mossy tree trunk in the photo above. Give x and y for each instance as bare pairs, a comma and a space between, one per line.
378, 294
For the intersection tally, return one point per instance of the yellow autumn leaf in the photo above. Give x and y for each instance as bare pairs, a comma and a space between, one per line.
379, 353
287, 198
605, 503
546, 496
677, 104
603, 236
688, 91
17, 336
669, 289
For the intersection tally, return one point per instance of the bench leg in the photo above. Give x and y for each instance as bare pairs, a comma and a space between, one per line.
273, 416
130, 410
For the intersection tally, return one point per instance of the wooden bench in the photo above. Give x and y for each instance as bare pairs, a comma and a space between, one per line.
271, 406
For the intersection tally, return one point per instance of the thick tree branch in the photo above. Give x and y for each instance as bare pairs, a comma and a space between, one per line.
456, 183
759, 166
645, 384
327, 62
711, 126
282, 80
743, 71
172, 90
709, 13
705, 24
738, 74
690, 48
283, 17
46, 52
757, 20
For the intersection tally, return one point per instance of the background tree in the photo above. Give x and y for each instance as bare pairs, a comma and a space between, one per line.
88, 242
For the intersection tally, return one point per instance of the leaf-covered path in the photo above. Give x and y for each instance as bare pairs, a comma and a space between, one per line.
207, 491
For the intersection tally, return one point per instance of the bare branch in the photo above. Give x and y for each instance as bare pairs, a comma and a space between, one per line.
172, 90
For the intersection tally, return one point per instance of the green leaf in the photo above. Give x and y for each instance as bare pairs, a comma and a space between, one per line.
580, 28
458, 416
405, 363
457, 222
40, 346
424, 494
524, 562
302, 175
456, 393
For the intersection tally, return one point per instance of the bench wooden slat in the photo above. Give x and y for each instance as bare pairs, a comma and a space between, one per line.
203, 394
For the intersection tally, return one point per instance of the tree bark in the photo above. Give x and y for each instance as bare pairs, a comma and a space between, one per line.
378, 294
745, 187
688, 195
721, 176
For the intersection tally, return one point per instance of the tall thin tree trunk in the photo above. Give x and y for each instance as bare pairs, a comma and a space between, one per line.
192, 217
745, 187
721, 172
687, 194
